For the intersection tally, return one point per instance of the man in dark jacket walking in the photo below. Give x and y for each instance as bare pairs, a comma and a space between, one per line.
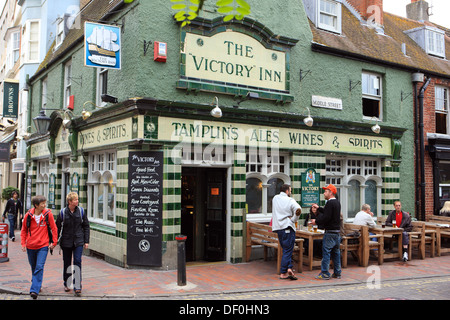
12, 208
330, 218
73, 231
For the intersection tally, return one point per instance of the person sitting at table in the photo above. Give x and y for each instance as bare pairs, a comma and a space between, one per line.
445, 211
364, 217
317, 247
402, 220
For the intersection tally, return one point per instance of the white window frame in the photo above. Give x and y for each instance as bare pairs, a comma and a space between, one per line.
355, 170
65, 162
59, 32
44, 92
67, 82
265, 166
434, 41
441, 97
102, 73
102, 173
374, 80
336, 15
26, 44
42, 176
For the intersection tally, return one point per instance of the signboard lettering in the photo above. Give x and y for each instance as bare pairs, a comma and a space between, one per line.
144, 233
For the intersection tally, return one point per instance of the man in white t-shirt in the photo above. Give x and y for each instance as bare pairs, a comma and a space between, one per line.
285, 212
364, 217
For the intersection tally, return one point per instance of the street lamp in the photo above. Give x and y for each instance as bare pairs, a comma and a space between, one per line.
42, 122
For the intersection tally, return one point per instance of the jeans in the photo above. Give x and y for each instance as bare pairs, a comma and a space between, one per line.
287, 242
37, 259
331, 248
12, 225
67, 272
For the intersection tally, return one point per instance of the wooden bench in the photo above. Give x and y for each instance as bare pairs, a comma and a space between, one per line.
262, 234
441, 233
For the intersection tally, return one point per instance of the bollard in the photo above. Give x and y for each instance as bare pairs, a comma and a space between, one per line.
4, 242
181, 246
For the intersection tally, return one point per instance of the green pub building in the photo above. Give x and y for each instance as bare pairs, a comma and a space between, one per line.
166, 130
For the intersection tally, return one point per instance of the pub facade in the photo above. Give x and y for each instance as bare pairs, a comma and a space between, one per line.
196, 137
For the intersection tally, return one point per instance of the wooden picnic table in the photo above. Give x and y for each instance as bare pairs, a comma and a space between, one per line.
303, 232
387, 232
439, 228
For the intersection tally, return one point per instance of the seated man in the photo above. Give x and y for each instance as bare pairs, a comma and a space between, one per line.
364, 217
402, 220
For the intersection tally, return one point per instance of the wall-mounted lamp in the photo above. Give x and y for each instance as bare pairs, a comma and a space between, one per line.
108, 98
42, 122
308, 120
86, 114
248, 96
67, 121
376, 128
216, 112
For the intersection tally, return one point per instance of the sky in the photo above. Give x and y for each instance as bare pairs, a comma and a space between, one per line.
440, 10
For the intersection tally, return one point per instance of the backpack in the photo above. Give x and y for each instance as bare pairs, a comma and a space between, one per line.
49, 230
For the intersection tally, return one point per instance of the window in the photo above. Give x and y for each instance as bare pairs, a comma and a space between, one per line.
102, 187
441, 109
329, 16
435, 42
444, 181
65, 182
371, 95
59, 32
358, 181
102, 85
67, 82
42, 178
44, 93
33, 41
266, 173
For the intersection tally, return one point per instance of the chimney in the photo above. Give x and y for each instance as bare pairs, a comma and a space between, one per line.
370, 10
418, 10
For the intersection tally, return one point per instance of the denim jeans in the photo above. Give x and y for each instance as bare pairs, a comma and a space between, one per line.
12, 225
287, 242
76, 252
330, 248
37, 259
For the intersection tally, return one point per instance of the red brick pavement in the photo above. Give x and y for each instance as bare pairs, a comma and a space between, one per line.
103, 279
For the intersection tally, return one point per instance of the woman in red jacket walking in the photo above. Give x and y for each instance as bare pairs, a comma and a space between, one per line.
39, 233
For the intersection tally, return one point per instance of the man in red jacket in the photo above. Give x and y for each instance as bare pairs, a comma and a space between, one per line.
36, 240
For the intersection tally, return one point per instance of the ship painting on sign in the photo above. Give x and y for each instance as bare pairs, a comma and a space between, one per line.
102, 46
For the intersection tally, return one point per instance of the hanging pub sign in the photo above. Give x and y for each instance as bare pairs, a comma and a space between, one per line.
145, 204
102, 46
4, 152
310, 187
10, 98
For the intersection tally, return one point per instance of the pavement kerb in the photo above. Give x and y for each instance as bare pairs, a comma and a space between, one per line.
321, 283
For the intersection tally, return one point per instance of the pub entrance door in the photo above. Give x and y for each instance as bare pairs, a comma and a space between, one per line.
203, 212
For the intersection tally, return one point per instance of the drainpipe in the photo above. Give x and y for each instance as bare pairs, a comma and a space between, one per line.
422, 149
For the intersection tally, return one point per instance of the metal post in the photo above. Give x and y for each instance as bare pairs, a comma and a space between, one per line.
181, 246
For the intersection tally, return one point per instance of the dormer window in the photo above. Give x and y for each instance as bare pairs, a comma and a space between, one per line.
329, 16
59, 32
430, 39
435, 42
325, 14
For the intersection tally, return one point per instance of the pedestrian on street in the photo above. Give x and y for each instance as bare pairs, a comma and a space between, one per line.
285, 213
402, 220
12, 209
39, 233
73, 231
330, 219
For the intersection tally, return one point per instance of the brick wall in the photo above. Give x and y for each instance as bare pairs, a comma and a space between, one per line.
429, 121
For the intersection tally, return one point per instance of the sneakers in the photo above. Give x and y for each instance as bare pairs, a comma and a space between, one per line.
405, 256
323, 276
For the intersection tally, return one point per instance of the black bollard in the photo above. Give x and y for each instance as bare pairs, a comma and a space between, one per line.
181, 245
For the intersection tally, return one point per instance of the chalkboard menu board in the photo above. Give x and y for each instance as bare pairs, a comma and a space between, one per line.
145, 189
